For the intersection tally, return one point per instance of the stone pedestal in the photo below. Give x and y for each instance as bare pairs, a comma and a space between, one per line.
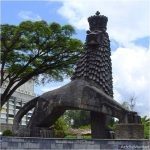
129, 131
35, 132
98, 125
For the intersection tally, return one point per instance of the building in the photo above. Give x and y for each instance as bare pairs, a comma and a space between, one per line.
22, 95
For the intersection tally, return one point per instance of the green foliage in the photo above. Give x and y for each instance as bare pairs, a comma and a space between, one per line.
62, 125
70, 136
146, 122
75, 137
79, 117
60, 128
112, 124
7, 133
87, 137
34, 48
85, 126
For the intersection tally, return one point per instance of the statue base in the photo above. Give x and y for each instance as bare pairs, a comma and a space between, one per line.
35, 132
129, 131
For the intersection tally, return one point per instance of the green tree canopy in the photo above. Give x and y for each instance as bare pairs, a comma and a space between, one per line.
34, 48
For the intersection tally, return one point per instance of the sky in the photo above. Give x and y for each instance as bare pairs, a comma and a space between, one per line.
129, 32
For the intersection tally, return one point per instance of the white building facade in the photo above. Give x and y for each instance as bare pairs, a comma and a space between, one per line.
22, 95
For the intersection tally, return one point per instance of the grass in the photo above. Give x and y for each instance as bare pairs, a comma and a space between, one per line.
75, 137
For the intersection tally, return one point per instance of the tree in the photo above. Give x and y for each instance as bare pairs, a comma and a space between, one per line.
126, 105
146, 122
79, 118
112, 123
130, 104
37, 48
60, 127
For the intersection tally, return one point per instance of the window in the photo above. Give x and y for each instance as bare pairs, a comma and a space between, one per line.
11, 111
11, 116
11, 103
2, 120
18, 104
29, 116
3, 115
18, 107
24, 118
11, 107
23, 122
10, 120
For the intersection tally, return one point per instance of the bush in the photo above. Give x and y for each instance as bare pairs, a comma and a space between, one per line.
79, 118
146, 122
60, 128
7, 133
59, 133
85, 127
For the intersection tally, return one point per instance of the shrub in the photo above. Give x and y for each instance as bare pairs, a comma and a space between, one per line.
146, 122
60, 128
7, 133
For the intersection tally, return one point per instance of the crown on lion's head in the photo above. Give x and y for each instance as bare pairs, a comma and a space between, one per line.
98, 22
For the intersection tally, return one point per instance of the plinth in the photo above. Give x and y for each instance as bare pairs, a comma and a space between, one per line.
129, 131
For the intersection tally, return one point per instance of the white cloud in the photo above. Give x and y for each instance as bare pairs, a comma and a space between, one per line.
128, 20
131, 75
29, 15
